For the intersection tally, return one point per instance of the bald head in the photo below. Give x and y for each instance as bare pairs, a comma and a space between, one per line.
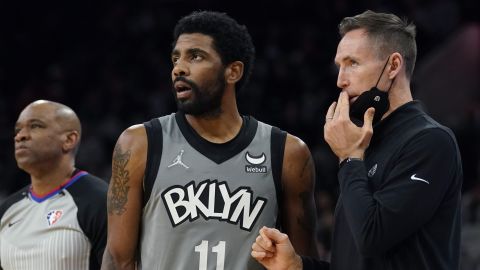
63, 115
55, 114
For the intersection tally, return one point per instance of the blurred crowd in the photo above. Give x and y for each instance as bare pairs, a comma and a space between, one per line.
110, 62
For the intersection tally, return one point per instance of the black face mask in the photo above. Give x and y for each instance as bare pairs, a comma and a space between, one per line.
371, 98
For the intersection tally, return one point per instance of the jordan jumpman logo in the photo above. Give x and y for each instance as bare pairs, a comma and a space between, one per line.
178, 161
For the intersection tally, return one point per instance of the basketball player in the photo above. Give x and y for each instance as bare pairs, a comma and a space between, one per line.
190, 190
59, 221
400, 172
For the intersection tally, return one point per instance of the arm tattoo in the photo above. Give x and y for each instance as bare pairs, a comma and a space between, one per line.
117, 194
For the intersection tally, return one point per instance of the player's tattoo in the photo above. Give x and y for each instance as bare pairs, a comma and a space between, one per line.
118, 191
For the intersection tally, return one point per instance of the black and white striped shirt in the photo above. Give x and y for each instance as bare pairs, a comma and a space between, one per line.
65, 229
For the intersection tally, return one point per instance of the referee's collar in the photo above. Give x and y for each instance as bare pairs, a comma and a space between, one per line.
77, 174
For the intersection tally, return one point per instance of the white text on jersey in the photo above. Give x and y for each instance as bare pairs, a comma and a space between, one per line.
189, 202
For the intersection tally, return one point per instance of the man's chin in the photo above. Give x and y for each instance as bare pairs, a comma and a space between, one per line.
186, 106
199, 111
189, 110
352, 100
23, 164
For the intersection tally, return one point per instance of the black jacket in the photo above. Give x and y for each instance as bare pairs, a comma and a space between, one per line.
400, 207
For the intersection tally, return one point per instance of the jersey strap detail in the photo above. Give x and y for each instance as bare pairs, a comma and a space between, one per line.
154, 156
218, 152
277, 147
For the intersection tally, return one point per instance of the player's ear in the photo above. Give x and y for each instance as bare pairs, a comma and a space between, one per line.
234, 72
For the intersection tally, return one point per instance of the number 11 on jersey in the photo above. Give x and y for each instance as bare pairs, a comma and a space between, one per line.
203, 250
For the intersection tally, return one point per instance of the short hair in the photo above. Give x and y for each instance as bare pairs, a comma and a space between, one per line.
389, 34
230, 39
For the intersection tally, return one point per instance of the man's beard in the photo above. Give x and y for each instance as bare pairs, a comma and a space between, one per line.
204, 102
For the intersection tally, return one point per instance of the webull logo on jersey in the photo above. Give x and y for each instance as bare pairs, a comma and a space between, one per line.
256, 162
213, 200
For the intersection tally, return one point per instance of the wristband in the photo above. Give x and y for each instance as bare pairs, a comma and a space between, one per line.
347, 160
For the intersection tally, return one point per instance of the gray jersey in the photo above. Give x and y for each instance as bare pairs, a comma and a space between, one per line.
206, 202
65, 229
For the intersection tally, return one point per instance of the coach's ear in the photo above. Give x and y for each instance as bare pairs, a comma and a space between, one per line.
396, 64
234, 72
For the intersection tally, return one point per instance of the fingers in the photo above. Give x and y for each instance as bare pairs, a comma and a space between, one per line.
331, 111
263, 246
368, 118
273, 235
343, 106
263, 242
259, 253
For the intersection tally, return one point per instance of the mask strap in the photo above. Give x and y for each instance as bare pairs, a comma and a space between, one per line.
390, 85
383, 69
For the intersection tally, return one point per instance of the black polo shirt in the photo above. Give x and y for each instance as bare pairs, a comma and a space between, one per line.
400, 207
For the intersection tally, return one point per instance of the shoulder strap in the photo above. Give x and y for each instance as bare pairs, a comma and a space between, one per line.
154, 155
277, 148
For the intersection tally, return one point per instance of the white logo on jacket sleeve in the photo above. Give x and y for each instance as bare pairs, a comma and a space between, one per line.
414, 178
372, 170
188, 202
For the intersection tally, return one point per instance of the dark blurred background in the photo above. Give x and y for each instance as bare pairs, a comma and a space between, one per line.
110, 62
